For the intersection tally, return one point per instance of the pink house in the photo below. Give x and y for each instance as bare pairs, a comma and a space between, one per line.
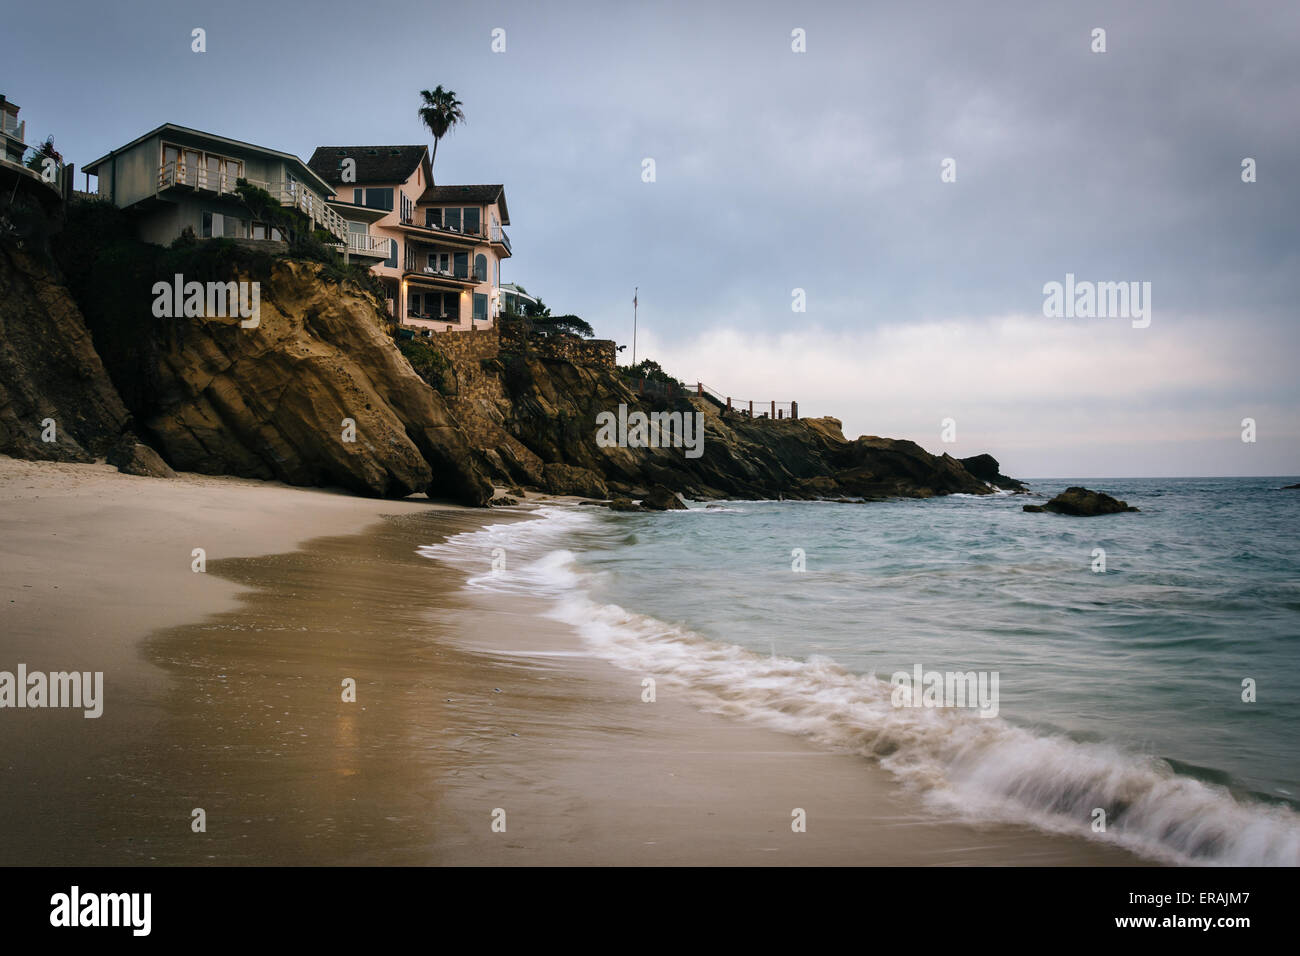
445, 243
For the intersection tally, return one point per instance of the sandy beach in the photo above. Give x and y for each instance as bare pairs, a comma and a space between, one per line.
223, 692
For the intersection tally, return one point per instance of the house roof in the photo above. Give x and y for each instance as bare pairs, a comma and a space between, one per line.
350, 210
474, 195
213, 140
378, 165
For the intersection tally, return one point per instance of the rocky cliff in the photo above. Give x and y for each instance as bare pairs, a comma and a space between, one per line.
543, 416
56, 400
316, 392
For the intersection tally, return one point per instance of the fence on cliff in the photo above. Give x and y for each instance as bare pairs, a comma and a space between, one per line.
765, 410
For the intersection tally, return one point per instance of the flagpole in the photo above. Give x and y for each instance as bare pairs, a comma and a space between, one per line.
635, 290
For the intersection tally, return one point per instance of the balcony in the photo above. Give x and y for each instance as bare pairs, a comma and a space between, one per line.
364, 244
500, 238
37, 165
472, 236
289, 193
416, 265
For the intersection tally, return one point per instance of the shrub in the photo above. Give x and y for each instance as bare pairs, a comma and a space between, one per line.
430, 364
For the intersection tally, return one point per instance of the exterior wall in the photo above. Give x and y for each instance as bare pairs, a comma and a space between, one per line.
135, 173
390, 227
600, 353
131, 176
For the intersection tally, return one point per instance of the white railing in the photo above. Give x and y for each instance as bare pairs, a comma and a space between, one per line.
289, 193
183, 174
364, 244
45, 168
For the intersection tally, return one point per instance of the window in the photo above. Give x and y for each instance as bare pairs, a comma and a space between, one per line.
433, 218
451, 218
407, 208
357, 227
212, 222
380, 198
471, 220
480, 268
359, 196
391, 261
461, 265
413, 305
480, 305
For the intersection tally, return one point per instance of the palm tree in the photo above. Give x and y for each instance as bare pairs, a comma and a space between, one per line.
440, 112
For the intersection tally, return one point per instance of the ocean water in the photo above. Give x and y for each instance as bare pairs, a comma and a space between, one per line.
1118, 690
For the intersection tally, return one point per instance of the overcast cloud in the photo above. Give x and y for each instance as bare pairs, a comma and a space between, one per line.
778, 170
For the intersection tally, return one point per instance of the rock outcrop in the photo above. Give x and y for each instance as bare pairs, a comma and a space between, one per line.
662, 499
548, 411
133, 457
56, 399
986, 468
315, 392
1081, 502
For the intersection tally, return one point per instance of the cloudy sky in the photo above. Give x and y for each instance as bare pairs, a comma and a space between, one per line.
778, 170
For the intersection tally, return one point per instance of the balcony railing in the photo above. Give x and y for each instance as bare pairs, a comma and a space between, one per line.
46, 168
499, 235
289, 193
418, 263
478, 232
364, 244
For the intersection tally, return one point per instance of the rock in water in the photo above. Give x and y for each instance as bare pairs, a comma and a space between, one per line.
133, 457
661, 498
624, 504
1081, 502
986, 468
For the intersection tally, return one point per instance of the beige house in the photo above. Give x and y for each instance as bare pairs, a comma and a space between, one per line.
174, 179
445, 243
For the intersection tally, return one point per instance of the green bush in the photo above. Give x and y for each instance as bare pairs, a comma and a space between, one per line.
430, 364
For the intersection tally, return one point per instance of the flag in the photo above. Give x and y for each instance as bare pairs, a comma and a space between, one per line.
634, 292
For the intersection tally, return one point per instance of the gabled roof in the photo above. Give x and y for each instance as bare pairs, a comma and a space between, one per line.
218, 142
376, 165
474, 195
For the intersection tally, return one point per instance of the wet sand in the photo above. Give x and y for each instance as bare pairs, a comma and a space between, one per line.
224, 692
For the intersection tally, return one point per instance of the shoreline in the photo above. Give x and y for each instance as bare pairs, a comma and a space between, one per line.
223, 693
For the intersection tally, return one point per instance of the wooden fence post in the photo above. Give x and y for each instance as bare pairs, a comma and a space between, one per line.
774, 408
794, 409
